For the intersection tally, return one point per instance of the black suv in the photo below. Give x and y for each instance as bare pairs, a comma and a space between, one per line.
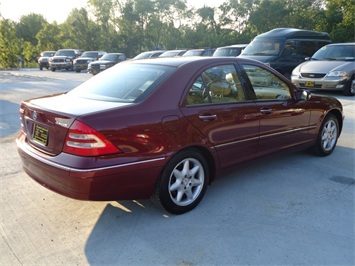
43, 59
87, 57
105, 62
63, 59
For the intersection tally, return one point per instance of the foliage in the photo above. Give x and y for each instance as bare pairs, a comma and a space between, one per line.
133, 26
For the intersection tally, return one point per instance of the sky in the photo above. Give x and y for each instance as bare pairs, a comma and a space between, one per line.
58, 10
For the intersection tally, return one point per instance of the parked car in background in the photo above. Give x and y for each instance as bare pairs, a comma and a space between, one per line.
173, 53
331, 68
82, 62
106, 61
285, 48
165, 128
43, 59
199, 52
230, 51
148, 54
63, 59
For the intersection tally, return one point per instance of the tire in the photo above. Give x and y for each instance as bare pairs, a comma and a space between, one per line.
328, 136
40, 68
77, 70
52, 69
183, 182
350, 88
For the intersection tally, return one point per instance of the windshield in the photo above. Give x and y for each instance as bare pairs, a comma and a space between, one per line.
65, 53
48, 54
110, 57
123, 83
228, 51
194, 53
335, 52
90, 54
263, 47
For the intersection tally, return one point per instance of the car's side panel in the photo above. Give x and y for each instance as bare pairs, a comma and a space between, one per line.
231, 128
283, 124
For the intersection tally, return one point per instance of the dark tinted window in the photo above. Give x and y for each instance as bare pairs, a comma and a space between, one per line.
264, 47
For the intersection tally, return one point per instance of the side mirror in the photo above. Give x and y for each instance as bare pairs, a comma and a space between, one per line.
303, 95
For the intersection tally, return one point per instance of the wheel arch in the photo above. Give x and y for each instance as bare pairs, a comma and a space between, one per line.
206, 153
339, 117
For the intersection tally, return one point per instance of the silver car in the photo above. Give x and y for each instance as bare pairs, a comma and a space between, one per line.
332, 67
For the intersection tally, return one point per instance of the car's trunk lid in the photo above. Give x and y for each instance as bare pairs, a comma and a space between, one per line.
46, 120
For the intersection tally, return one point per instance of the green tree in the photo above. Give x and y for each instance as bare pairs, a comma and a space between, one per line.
79, 31
9, 51
49, 37
340, 20
29, 26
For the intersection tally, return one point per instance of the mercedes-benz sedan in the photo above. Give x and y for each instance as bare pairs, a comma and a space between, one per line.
165, 128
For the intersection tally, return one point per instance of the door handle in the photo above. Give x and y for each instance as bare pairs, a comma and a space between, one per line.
207, 117
266, 111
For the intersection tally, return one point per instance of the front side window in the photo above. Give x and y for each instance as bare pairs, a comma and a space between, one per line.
266, 85
218, 84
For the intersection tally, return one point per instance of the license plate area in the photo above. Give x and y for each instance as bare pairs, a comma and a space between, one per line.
309, 83
40, 135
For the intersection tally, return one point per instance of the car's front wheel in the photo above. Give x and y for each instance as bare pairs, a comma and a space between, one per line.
350, 88
328, 136
183, 182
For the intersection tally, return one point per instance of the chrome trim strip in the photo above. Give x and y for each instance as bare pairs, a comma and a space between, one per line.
265, 136
235, 142
62, 167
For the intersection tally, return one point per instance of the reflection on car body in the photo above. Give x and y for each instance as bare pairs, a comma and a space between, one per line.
165, 128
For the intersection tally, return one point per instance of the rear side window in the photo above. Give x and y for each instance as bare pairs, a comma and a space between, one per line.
266, 85
123, 83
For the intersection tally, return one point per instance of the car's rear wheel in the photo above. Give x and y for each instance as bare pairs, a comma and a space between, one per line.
350, 88
183, 182
328, 136
52, 69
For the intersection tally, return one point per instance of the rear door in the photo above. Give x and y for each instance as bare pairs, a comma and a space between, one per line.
217, 106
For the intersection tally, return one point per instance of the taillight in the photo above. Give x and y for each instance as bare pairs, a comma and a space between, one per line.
85, 141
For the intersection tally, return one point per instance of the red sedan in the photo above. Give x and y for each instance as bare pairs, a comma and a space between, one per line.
165, 128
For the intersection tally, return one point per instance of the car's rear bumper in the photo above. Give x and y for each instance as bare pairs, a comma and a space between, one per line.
125, 181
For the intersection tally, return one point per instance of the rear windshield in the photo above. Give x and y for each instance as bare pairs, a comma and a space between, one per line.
335, 52
125, 82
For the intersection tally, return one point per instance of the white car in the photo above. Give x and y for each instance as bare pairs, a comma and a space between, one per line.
332, 67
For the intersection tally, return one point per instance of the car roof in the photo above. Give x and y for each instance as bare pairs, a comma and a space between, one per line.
234, 45
344, 43
180, 61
